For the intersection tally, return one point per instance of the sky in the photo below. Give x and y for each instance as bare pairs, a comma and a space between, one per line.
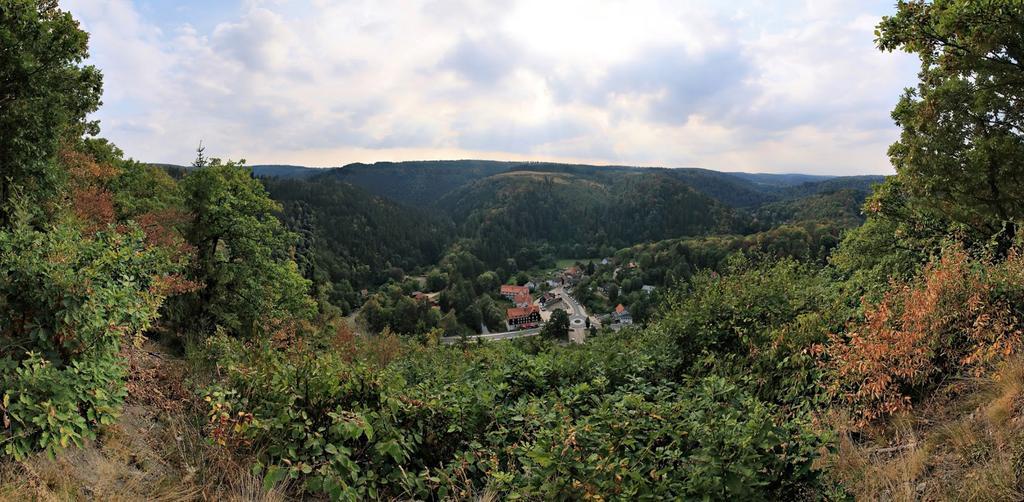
782, 86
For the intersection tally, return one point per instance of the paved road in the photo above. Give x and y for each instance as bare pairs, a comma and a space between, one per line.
506, 335
576, 313
575, 308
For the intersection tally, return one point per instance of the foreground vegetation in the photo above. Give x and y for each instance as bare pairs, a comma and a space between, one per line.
827, 359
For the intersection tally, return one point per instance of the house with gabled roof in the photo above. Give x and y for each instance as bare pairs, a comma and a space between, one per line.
522, 317
511, 290
621, 315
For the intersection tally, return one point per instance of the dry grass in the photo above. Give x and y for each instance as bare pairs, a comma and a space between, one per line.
963, 444
155, 452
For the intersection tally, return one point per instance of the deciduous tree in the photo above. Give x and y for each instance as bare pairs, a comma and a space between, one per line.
45, 95
961, 152
242, 252
557, 327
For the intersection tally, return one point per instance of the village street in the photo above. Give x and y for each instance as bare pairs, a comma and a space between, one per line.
577, 322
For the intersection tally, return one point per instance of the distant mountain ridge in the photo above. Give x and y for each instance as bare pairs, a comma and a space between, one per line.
426, 182
263, 170
423, 183
514, 214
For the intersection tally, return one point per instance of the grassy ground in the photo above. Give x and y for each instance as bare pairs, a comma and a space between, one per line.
155, 451
563, 263
965, 443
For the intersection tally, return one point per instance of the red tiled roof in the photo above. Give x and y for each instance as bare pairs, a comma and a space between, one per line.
511, 288
523, 298
520, 312
619, 309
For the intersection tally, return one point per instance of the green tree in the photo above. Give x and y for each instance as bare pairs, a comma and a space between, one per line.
613, 293
487, 282
522, 278
557, 327
490, 313
62, 323
436, 280
241, 252
45, 95
961, 150
450, 325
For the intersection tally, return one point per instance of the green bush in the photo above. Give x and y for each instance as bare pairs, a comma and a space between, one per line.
708, 439
556, 422
67, 301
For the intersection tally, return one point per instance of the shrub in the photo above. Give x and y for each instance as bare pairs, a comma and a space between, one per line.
710, 439
758, 319
959, 315
562, 421
68, 300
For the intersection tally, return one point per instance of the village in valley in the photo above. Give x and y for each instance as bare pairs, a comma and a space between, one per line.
532, 304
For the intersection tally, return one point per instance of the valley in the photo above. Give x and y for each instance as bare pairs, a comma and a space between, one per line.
513, 221
480, 330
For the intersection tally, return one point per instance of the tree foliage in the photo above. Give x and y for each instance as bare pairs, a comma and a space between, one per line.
349, 240
251, 286
557, 327
961, 150
526, 420
959, 315
68, 302
45, 94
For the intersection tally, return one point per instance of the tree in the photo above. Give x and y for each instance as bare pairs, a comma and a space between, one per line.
471, 316
490, 313
961, 150
557, 327
522, 278
450, 325
45, 95
251, 284
436, 280
487, 282
68, 301
613, 292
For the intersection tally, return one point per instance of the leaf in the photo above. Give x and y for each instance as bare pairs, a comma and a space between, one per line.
273, 476
392, 449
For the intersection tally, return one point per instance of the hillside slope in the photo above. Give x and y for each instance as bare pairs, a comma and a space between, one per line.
421, 183
350, 239
578, 215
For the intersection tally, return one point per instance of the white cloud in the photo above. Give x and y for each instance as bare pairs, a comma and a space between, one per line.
780, 87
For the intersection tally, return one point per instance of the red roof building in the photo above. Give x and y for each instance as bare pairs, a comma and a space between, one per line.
523, 300
510, 290
522, 317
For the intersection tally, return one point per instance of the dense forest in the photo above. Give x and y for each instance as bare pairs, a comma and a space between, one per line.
361, 235
173, 333
349, 240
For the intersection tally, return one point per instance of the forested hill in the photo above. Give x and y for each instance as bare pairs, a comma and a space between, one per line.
261, 170
349, 239
417, 183
422, 183
361, 225
581, 216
